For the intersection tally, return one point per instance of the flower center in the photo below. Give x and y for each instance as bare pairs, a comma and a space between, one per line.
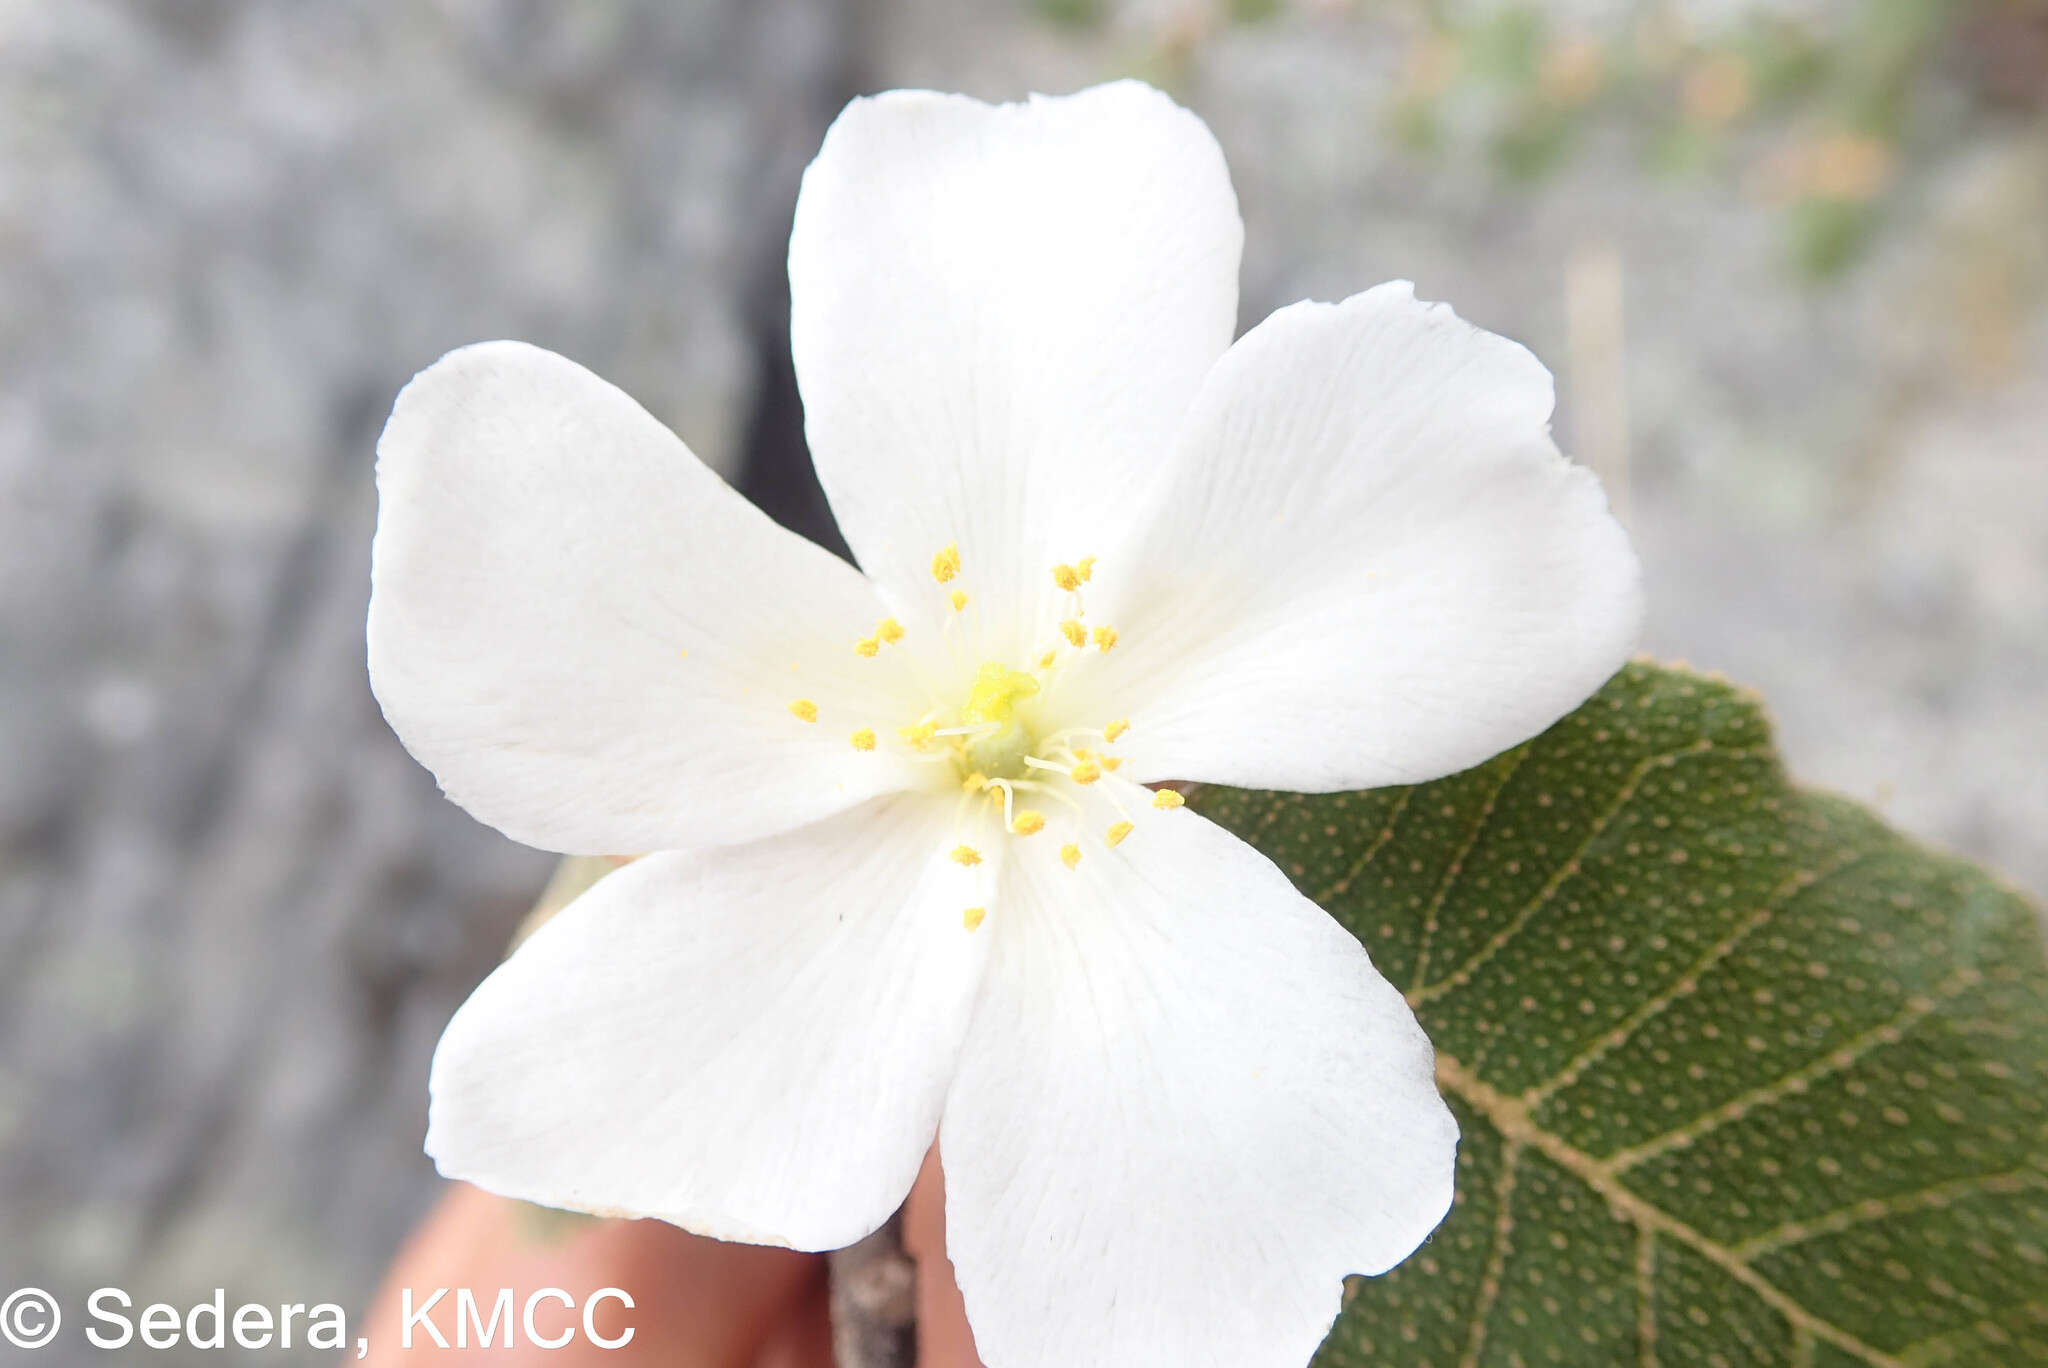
1011, 760
999, 741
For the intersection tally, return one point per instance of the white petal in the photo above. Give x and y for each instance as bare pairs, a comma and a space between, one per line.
752, 1043
591, 640
999, 315
1373, 566
1188, 1107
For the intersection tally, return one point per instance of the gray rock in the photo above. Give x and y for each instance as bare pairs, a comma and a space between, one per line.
234, 915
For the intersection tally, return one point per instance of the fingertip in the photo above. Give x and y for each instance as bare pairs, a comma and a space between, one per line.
944, 1339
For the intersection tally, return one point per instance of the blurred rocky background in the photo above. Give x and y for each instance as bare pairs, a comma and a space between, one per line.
1788, 258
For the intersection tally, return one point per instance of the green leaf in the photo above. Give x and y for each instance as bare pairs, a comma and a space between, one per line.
1745, 1078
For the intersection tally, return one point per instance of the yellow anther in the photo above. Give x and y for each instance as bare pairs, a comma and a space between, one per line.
1070, 855
1067, 577
867, 646
1086, 772
959, 598
1116, 834
1074, 632
1116, 729
946, 564
803, 710
1045, 661
1166, 800
889, 630
1105, 638
966, 856
1085, 568
920, 735
975, 782
1112, 762
971, 918
1028, 822
864, 739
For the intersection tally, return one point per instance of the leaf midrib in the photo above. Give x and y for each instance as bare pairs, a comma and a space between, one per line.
1510, 1117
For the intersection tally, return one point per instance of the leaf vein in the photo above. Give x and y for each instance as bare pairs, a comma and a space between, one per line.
1496, 1255
1511, 1119
1358, 868
1932, 1197
1456, 869
1833, 1062
1788, 891
1630, 787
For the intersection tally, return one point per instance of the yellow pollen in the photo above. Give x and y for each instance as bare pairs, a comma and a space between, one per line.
1045, 661
1116, 729
971, 918
996, 691
867, 646
1112, 762
889, 630
1087, 772
803, 710
1028, 822
1085, 568
1116, 834
959, 597
1166, 800
946, 564
1074, 632
1067, 577
864, 739
920, 735
975, 782
966, 856
1105, 638
1070, 855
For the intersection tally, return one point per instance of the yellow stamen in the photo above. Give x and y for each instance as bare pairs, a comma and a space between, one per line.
864, 739
975, 782
803, 710
1166, 800
1105, 638
1045, 661
1116, 729
920, 735
959, 597
889, 630
1085, 567
1028, 822
946, 564
1112, 762
1086, 772
1066, 577
1070, 855
971, 918
867, 646
966, 856
1074, 632
1116, 834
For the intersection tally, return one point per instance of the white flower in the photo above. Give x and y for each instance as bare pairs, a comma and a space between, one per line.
910, 883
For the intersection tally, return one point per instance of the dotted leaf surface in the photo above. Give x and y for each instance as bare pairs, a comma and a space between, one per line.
1745, 1078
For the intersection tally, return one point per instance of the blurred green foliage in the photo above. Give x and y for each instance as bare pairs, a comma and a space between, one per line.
1819, 113
1823, 112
